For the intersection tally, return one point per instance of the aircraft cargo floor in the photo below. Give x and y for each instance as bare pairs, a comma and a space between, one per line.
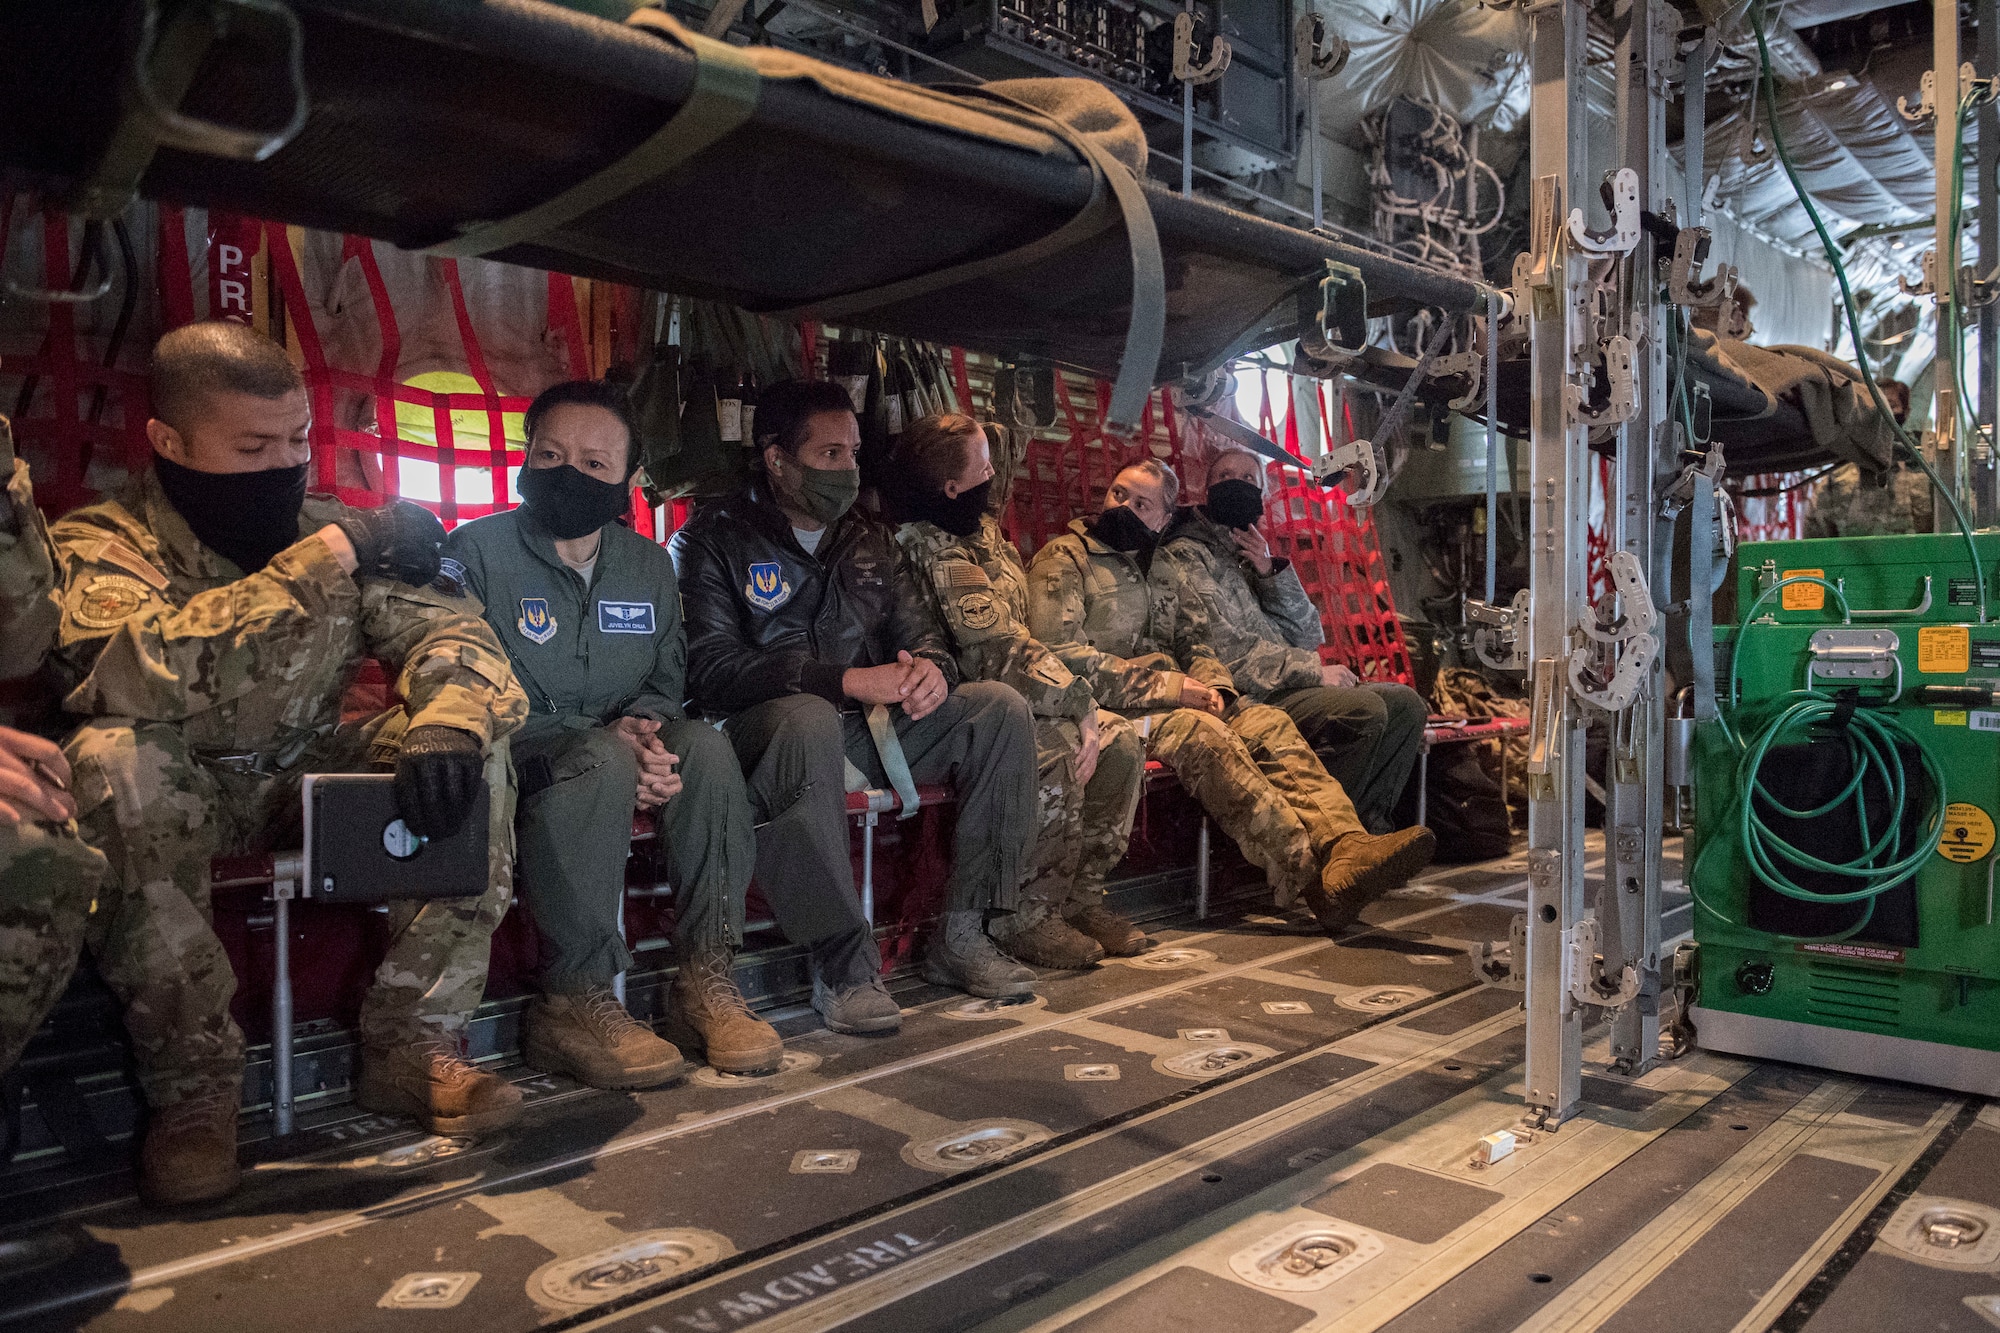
1252, 1128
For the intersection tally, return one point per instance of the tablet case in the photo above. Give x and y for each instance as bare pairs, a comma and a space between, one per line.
358, 850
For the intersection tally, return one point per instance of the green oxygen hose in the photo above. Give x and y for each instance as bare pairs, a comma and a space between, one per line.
1768, 85
1874, 749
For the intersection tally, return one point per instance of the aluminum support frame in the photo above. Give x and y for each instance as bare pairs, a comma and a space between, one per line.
1986, 472
1628, 902
1556, 274
1951, 456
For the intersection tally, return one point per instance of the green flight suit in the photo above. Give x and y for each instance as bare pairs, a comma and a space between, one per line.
587, 657
1132, 632
209, 694
1267, 632
48, 874
978, 588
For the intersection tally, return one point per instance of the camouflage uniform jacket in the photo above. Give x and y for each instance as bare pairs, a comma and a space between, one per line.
158, 627
1263, 627
1848, 504
1134, 636
29, 612
978, 588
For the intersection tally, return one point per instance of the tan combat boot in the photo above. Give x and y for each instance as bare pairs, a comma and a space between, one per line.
1118, 936
706, 1013
1361, 868
1053, 943
190, 1150
594, 1040
431, 1083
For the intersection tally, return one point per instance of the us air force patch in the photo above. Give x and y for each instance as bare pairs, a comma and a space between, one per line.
624, 617
537, 623
978, 610
108, 601
451, 577
768, 588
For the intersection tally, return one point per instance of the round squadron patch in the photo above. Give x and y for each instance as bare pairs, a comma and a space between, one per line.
978, 610
108, 601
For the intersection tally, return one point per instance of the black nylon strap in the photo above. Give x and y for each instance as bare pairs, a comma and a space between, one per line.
1145, 333
726, 88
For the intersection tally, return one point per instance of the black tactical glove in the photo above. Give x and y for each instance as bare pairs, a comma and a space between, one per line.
398, 541
437, 779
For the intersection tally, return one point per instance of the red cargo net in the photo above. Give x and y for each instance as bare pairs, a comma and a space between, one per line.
1334, 546
73, 402
81, 411
1771, 506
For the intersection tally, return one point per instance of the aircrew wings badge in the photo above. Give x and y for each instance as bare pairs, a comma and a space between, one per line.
537, 623
768, 588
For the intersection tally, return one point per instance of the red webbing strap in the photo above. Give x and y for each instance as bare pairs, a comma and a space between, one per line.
319, 384
809, 346
362, 251
961, 376
176, 282
496, 434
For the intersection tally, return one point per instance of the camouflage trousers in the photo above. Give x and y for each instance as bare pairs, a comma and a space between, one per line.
1262, 784
159, 813
1085, 826
48, 877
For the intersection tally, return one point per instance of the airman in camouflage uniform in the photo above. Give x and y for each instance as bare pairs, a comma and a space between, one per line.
210, 693
1125, 623
978, 587
1848, 504
48, 875
1267, 631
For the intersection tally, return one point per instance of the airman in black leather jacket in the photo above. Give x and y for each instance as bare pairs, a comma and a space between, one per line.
765, 619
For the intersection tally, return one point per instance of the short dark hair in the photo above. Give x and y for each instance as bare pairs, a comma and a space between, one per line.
784, 409
612, 398
215, 356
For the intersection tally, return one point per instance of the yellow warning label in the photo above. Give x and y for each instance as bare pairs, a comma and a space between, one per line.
1968, 833
1803, 596
1947, 717
1944, 650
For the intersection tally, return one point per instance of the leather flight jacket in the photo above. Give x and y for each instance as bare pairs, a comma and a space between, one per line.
766, 619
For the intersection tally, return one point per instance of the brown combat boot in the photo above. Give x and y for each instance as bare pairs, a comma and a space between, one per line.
706, 1013
594, 1040
431, 1083
1363, 867
190, 1150
1052, 942
1118, 936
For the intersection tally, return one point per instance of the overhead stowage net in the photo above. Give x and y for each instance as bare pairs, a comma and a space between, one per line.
363, 320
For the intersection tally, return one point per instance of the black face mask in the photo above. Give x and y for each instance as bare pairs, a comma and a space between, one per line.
1122, 530
570, 504
247, 517
958, 515
1235, 504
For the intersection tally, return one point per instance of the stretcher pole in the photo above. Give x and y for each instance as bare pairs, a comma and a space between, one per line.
1554, 274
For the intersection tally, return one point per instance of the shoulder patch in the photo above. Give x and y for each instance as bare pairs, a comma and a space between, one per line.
451, 577
951, 574
978, 610
108, 601
111, 551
